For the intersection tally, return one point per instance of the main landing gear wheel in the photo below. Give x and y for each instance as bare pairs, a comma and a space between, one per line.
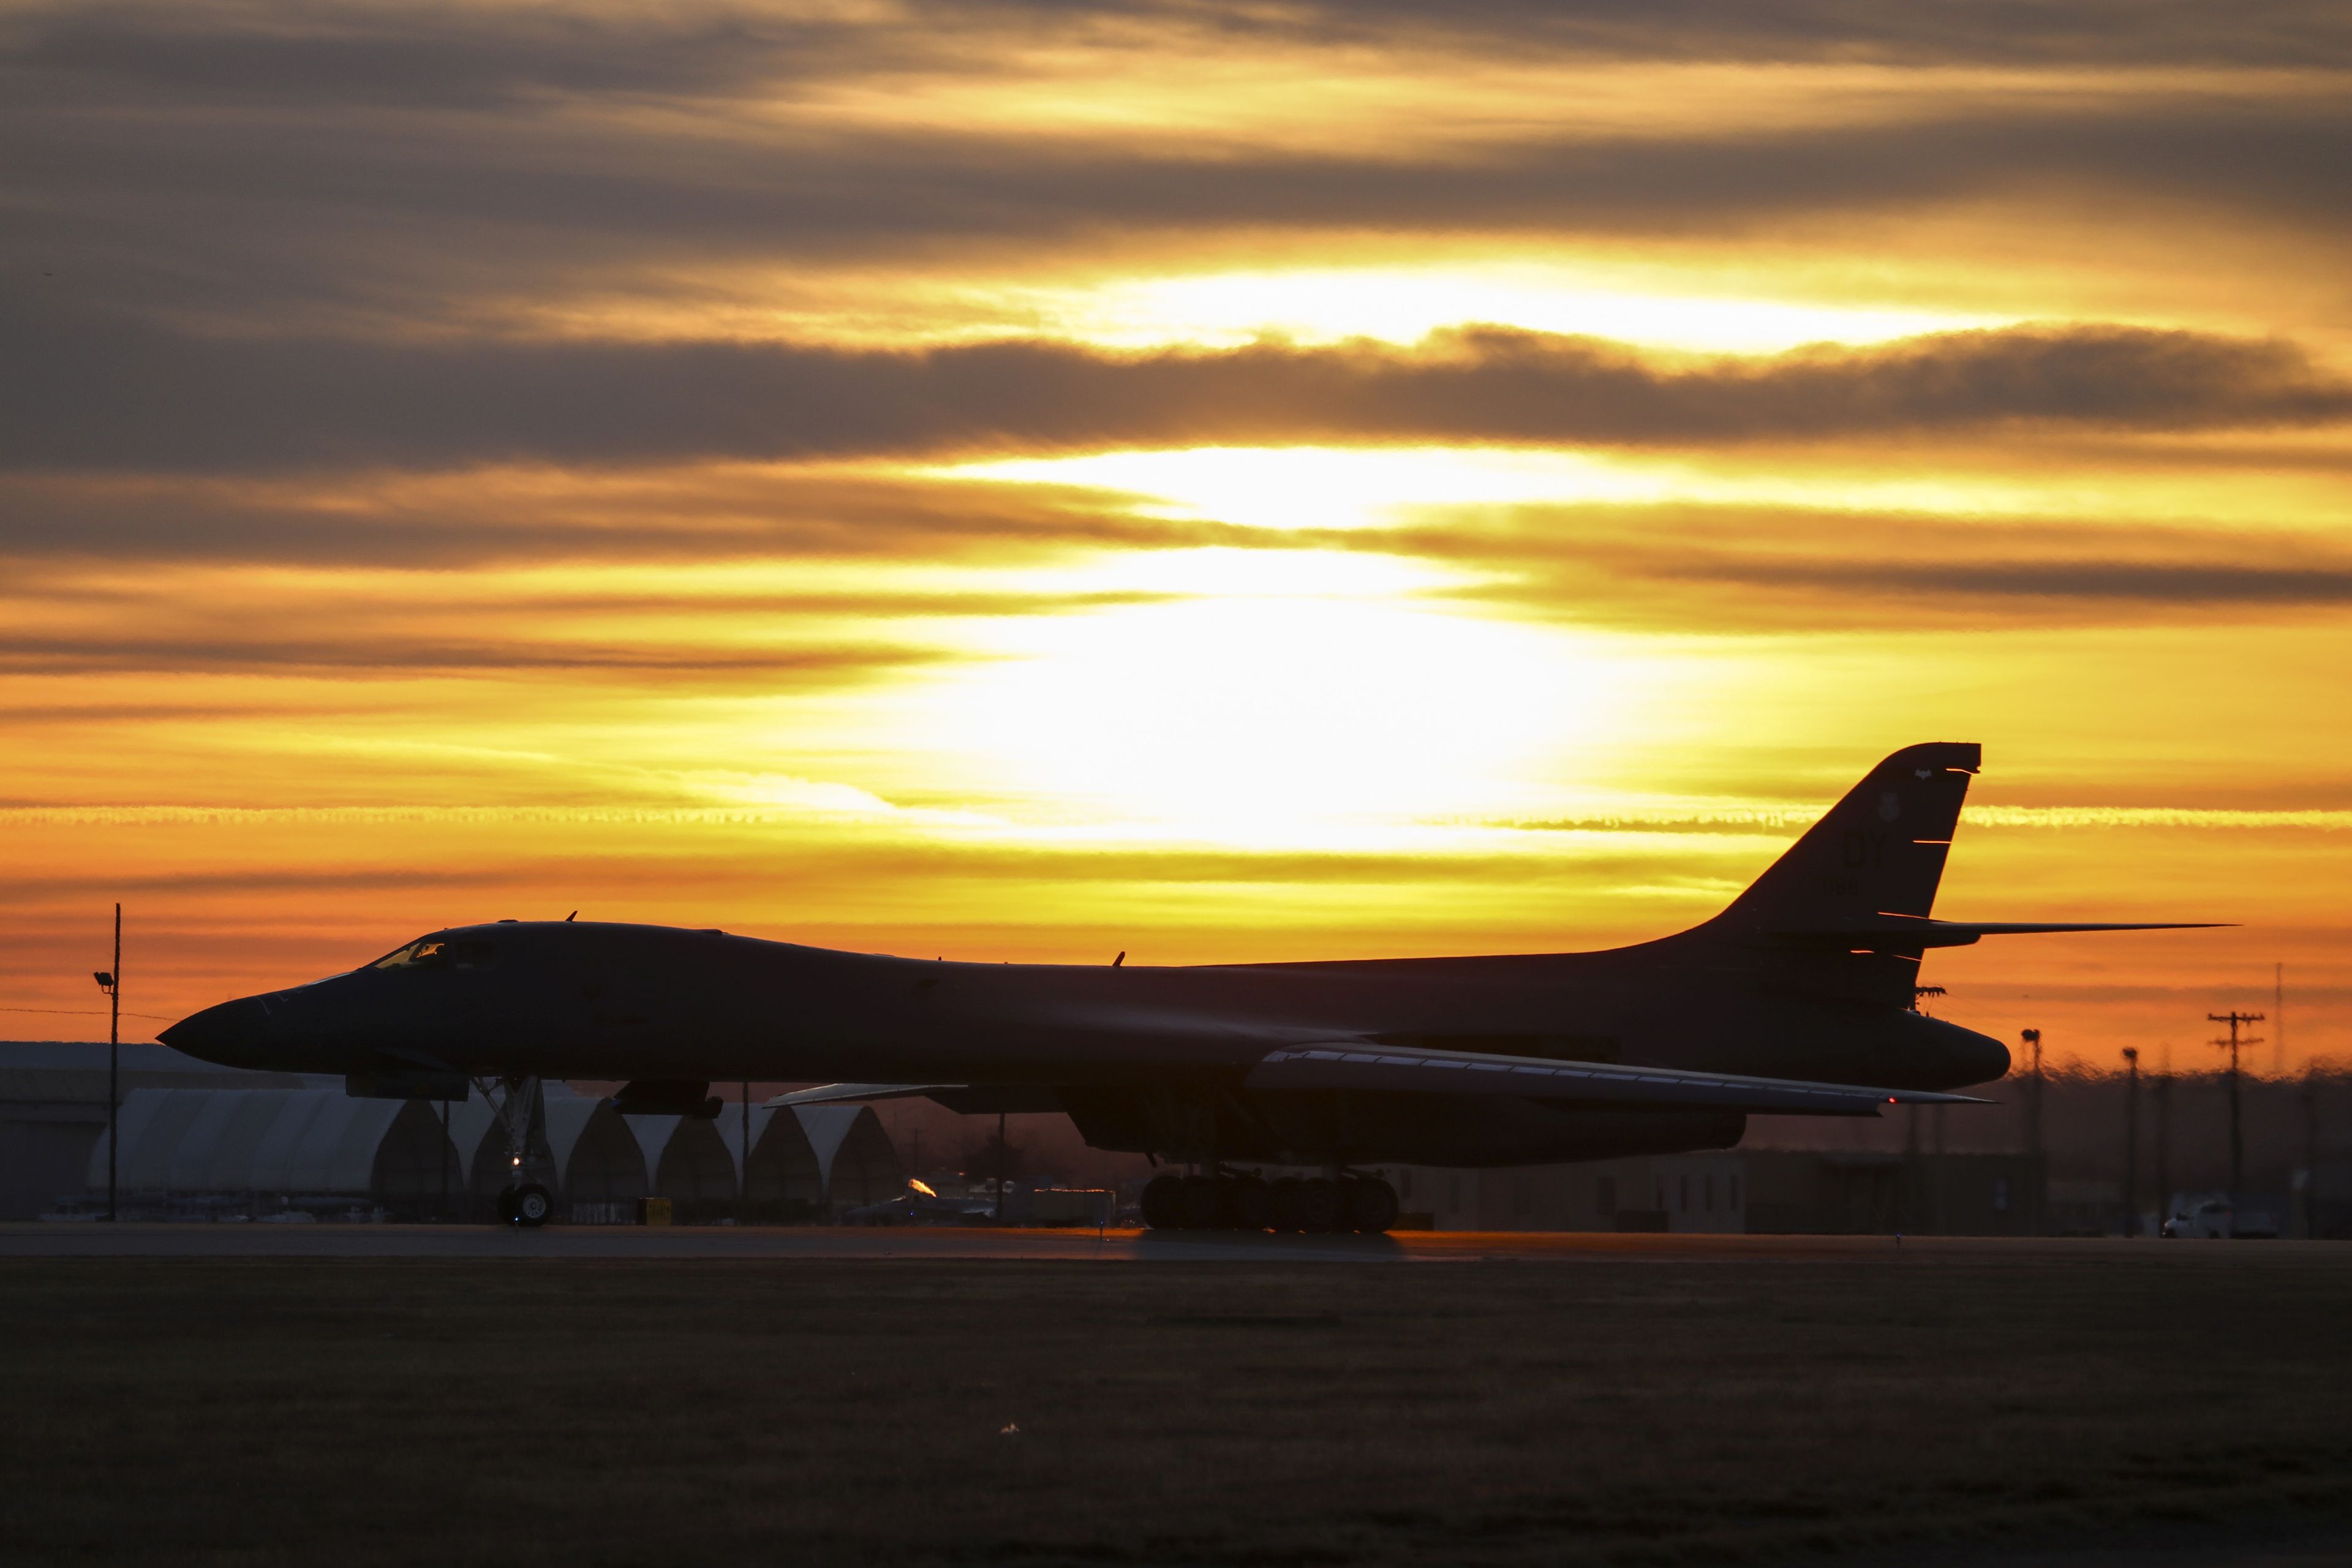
1159, 1202
1371, 1205
1312, 1206
1197, 1203
1320, 1208
1316, 1204
528, 1205
1248, 1203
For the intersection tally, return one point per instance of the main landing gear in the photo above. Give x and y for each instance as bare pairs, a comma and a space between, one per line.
521, 1204
1240, 1201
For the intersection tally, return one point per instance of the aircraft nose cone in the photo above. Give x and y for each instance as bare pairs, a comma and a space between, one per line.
229, 1034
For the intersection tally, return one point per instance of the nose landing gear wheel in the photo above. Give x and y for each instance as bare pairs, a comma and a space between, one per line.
528, 1206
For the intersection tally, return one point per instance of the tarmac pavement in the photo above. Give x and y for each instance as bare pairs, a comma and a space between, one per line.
197, 1239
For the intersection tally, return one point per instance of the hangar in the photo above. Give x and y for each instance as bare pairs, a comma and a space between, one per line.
193, 1152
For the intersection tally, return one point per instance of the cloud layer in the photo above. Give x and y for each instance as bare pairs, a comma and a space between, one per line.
251, 164
132, 397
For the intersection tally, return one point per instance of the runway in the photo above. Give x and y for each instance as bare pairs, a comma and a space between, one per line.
717, 1243
601, 1394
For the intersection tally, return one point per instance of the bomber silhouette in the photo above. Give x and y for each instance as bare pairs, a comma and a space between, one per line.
1797, 999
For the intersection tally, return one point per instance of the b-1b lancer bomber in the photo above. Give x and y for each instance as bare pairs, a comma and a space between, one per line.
1799, 998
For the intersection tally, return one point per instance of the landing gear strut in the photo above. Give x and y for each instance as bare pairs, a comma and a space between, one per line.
526, 1204
1245, 1202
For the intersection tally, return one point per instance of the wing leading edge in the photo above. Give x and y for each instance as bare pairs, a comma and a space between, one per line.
963, 1099
1361, 1067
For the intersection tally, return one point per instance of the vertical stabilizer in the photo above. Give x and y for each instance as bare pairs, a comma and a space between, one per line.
1878, 851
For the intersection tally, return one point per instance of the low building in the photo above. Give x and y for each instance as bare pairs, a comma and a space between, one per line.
1764, 1192
1704, 1192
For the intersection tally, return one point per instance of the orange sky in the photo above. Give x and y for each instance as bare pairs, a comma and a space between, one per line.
1217, 482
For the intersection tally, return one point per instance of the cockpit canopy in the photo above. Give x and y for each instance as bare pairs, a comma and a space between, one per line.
440, 951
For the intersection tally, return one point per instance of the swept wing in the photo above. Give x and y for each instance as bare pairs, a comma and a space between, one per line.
1364, 1066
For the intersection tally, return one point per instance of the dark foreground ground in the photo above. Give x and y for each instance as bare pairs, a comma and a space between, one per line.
1948, 1405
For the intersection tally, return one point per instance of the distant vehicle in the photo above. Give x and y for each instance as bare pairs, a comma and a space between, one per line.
919, 1205
2255, 1221
2219, 1216
1798, 999
2204, 1219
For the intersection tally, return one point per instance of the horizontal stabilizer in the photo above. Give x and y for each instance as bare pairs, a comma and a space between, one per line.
835, 1094
1911, 934
1345, 1066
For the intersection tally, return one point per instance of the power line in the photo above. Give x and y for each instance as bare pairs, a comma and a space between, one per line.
87, 1013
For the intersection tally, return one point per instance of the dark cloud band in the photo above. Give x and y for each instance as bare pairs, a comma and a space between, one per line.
131, 397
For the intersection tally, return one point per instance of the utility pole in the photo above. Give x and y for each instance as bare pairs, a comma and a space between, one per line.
2311, 1150
2131, 1140
2237, 1134
2032, 1037
743, 1177
2278, 1020
1000, 1167
111, 982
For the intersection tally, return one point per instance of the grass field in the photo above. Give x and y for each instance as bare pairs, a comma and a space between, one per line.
415, 1411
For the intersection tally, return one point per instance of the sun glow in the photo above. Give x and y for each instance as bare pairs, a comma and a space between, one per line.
1292, 488
1248, 718
1405, 304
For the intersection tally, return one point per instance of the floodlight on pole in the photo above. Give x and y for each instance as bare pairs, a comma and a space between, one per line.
2039, 1196
111, 982
2131, 1140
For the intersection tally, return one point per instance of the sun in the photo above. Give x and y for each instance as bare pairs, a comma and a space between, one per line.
1280, 717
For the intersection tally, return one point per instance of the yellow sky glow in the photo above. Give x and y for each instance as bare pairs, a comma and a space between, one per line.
1017, 488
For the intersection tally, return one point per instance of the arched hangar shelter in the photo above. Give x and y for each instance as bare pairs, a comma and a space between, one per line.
269, 1152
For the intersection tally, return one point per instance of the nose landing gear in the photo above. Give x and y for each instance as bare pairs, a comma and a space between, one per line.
515, 1100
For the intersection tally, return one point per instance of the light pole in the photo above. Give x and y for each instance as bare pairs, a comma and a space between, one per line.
2131, 1140
2033, 1129
111, 982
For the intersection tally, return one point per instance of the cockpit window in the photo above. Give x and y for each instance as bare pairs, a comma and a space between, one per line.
441, 953
431, 953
